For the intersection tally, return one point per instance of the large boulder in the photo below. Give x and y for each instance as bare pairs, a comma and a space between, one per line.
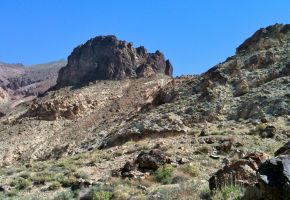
106, 57
274, 178
241, 172
152, 160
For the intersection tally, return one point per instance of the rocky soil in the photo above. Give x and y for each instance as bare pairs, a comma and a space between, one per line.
118, 125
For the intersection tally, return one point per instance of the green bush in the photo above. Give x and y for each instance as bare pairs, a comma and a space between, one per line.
20, 183
102, 195
204, 149
100, 192
229, 192
54, 185
67, 195
81, 174
67, 181
164, 174
190, 169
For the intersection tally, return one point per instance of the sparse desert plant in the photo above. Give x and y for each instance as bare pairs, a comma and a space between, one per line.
261, 127
20, 183
81, 174
66, 195
100, 192
164, 174
55, 185
180, 177
204, 149
229, 192
190, 169
67, 181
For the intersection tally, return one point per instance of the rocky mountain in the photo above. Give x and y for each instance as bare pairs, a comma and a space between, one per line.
107, 58
22, 83
132, 131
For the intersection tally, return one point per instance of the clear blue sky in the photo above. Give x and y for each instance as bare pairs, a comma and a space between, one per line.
193, 34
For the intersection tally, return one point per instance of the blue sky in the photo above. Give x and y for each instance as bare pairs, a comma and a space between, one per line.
193, 34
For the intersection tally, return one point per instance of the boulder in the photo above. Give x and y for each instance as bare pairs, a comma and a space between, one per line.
274, 178
145, 163
241, 172
152, 160
268, 132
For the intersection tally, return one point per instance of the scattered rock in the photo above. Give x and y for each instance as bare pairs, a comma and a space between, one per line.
182, 161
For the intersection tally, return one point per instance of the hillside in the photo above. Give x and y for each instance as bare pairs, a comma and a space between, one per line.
118, 122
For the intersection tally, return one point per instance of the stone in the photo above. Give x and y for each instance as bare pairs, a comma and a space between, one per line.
152, 160
182, 161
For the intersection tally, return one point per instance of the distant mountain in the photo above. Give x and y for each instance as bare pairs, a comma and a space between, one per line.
19, 81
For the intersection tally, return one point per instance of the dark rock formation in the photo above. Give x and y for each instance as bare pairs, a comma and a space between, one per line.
283, 150
274, 178
106, 57
146, 162
241, 172
152, 160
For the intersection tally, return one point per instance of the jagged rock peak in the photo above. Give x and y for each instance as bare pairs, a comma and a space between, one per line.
266, 38
106, 57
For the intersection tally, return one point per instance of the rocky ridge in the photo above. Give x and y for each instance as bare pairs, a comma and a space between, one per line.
107, 58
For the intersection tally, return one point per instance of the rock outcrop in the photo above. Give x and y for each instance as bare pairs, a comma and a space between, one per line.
274, 178
107, 58
242, 172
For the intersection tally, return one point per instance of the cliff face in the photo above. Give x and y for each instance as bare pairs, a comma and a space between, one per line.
107, 58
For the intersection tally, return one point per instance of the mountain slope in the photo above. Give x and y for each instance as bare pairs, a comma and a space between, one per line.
123, 126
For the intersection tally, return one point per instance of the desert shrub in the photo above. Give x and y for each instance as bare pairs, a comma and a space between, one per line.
261, 127
164, 174
55, 185
204, 149
229, 192
20, 183
186, 190
42, 177
190, 169
67, 181
66, 195
12, 193
100, 192
180, 177
25, 175
81, 174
